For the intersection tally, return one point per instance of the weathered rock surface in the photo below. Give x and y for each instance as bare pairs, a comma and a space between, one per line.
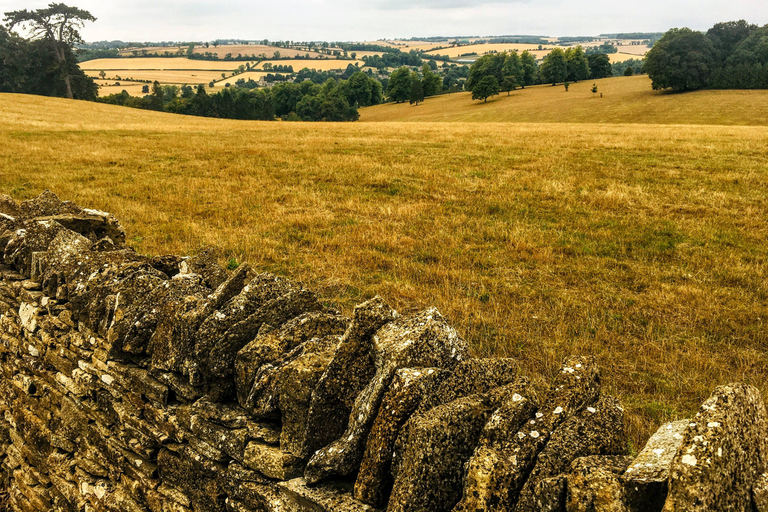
409, 386
760, 493
646, 479
723, 453
350, 370
508, 456
329, 497
424, 340
439, 442
596, 430
594, 484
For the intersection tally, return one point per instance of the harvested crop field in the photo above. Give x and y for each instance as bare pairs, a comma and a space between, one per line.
643, 244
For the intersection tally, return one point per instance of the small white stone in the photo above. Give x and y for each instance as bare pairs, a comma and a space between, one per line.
534, 434
568, 369
107, 379
557, 410
539, 415
689, 460
592, 410
516, 398
33, 351
658, 451
713, 424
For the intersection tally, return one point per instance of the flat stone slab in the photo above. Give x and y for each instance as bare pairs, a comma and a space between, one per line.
723, 453
327, 497
645, 480
271, 461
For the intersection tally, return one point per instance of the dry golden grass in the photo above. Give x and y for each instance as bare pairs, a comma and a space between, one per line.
643, 245
637, 50
318, 64
254, 49
484, 48
406, 46
621, 57
153, 49
158, 63
625, 100
163, 76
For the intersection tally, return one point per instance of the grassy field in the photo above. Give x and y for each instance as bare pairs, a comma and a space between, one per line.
624, 100
182, 71
255, 49
165, 76
318, 64
621, 57
643, 245
159, 63
484, 48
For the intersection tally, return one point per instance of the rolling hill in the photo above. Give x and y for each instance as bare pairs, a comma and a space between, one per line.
624, 100
642, 245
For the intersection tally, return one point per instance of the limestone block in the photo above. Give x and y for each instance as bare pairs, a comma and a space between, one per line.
596, 430
513, 452
723, 452
172, 342
488, 467
408, 388
347, 375
760, 493
294, 380
271, 461
439, 443
271, 346
594, 484
645, 480
328, 497
423, 340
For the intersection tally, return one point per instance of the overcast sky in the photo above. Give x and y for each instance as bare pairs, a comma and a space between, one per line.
349, 20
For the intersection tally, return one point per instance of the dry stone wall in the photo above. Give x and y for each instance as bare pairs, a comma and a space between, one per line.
169, 384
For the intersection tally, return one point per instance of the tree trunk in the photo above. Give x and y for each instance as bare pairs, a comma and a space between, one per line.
61, 57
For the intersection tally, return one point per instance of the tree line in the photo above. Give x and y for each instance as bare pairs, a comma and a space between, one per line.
730, 55
504, 72
306, 101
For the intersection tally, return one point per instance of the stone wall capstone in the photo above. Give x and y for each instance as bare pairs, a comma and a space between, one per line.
169, 384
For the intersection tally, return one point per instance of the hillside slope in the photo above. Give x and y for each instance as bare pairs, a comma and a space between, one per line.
624, 100
641, 245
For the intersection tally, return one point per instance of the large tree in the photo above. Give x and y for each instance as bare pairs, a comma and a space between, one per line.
578, 65
599, 66
58, 25
488, 86
554, 69
682, 60
399, 86
530, 68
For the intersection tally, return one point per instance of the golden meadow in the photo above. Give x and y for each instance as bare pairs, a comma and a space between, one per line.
643, 245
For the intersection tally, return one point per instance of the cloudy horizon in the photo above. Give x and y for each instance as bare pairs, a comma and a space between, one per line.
346, 20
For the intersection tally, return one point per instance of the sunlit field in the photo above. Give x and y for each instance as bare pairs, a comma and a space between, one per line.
255, 49
481, 49
622, 57
165, 77
159, 63
617, 100
318, 64
640, 244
